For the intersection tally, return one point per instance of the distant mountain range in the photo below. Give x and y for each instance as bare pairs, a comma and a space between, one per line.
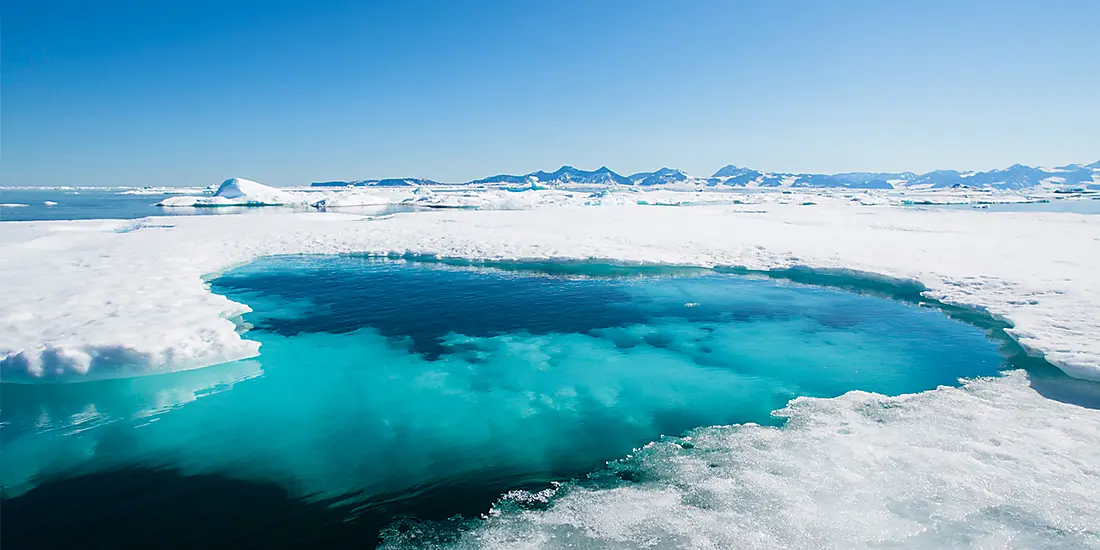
391, 182
564, 175
1017, 176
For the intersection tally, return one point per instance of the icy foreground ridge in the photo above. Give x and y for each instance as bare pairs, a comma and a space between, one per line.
1016, 177
988, 465
97, 299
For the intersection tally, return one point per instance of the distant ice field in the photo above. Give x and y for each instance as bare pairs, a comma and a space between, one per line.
33, 204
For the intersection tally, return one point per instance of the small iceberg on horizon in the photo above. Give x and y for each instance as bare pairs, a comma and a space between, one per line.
245, 192
235, 192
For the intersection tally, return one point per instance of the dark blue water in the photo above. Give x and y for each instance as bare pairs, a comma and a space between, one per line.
385, 389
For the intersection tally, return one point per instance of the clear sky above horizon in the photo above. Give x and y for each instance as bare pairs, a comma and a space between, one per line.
191, 92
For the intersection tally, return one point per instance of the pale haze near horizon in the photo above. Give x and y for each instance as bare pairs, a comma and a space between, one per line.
190, 93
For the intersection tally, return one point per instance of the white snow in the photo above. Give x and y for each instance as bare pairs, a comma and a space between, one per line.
93, 299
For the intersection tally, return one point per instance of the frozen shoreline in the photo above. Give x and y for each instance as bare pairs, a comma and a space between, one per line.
96, 299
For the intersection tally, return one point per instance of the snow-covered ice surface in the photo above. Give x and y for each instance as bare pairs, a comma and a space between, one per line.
94, 299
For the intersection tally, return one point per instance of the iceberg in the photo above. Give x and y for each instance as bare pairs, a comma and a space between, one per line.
236, 192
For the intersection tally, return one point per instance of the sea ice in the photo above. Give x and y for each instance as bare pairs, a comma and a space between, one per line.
237, 192
84, 301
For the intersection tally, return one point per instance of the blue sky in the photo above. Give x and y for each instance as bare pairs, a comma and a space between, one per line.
191, 92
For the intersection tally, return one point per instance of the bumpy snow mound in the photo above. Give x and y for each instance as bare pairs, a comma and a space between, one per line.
989, 465
85, 300
237, 192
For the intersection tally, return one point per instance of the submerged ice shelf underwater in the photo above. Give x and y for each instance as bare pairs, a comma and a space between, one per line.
379, 378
